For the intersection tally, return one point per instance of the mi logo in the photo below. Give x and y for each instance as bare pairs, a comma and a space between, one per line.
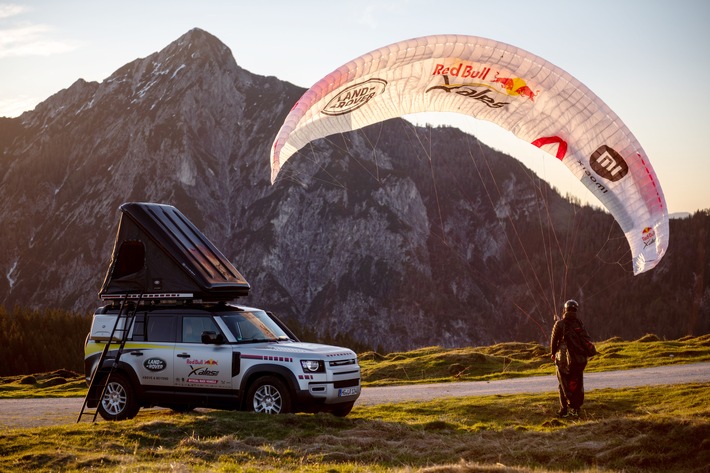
608, 164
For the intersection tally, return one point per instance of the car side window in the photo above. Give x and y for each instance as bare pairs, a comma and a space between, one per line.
161, 328
193, 326
139, 327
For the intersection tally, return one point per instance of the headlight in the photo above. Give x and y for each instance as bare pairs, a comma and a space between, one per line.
312, 366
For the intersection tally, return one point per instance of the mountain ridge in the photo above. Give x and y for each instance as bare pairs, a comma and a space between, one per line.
366, 236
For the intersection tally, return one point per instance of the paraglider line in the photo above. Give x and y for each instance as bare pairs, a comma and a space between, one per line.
515, 231
542, 330
490, 199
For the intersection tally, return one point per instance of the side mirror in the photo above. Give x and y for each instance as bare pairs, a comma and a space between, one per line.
212, 338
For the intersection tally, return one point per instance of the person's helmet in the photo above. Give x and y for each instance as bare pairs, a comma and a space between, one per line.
571, 305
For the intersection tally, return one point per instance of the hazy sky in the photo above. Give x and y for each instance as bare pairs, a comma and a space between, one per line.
647, 59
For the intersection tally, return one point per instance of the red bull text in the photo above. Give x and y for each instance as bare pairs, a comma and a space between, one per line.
459, 70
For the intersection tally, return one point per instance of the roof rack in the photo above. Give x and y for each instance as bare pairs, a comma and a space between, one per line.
150, 296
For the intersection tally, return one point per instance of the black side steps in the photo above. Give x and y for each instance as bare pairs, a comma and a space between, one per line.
101, 375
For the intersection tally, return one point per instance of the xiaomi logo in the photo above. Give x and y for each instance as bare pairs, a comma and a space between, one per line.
608, 164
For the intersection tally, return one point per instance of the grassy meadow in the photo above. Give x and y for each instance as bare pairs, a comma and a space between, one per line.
648, 429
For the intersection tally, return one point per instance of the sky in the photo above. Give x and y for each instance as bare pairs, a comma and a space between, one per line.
649, 60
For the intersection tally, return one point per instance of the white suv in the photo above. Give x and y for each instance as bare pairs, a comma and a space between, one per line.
184, 355
176, 341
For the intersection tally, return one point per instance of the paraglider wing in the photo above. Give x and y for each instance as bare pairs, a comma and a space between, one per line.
535, 100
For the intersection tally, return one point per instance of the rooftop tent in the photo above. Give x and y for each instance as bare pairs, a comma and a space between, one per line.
159, 253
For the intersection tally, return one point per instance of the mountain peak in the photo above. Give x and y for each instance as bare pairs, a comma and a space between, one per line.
198, 35
197, 43
151, 80
194, 49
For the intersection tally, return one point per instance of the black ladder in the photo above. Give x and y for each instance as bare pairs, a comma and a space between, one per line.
128, 314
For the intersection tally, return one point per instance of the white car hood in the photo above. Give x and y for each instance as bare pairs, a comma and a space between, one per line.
314, 348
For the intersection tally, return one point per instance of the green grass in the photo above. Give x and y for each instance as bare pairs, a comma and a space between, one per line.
61, 383
655, 429
510, 360
649, 429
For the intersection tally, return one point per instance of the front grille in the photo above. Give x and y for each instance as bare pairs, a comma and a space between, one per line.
346, 383
342, 362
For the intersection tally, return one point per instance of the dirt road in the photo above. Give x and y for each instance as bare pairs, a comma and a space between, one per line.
16, 413
675, 374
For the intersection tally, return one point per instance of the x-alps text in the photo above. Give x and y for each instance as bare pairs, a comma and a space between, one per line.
467, 90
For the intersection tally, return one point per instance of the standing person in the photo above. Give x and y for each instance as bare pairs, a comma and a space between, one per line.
569, 360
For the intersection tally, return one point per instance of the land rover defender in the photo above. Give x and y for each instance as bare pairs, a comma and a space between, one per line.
183, 356
170, 333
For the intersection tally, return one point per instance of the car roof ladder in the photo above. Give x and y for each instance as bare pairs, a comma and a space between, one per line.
103, 371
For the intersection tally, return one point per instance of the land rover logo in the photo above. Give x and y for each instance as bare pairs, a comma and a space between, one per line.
154, 364
608, 164
354, 97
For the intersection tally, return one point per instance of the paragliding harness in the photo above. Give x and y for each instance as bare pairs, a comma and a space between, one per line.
578, 343
562, 360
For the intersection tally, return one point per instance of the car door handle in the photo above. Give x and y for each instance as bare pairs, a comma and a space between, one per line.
136, 353
183, 355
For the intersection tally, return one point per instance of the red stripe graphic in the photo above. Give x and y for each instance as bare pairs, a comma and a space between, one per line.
550, 140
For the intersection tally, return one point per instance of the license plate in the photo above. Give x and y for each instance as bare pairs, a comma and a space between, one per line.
348, 391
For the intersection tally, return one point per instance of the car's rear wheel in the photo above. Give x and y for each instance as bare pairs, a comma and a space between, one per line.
269, 395
119, 401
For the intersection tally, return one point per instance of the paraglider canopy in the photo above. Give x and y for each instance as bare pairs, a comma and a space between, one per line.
159, 253
535, 100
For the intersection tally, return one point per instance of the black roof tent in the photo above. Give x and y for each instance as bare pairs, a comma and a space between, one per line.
160, 254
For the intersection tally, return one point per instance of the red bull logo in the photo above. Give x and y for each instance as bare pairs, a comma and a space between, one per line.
515, 86
461, 70
201, 362
648, 236
511, 86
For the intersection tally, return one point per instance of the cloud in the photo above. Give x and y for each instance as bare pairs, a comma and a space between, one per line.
31, 40
9, 9
27, 39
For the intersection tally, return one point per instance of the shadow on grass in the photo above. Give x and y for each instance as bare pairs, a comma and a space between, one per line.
631, 430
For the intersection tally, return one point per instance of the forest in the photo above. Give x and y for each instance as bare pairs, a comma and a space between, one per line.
37, 341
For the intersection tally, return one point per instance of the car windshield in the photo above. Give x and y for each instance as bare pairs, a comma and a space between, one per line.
253, 326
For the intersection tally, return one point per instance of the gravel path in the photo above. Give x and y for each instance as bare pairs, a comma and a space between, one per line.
674, 374
16, 413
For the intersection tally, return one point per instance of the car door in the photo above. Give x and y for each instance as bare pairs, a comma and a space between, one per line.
200, 366
150, 352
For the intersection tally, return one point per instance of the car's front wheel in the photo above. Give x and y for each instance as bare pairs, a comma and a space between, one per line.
269, 395
119, 401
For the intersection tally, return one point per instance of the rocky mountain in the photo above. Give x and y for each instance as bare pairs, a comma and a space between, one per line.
393, 237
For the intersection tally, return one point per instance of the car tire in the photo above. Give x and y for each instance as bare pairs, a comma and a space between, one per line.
119, 401
269, 395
